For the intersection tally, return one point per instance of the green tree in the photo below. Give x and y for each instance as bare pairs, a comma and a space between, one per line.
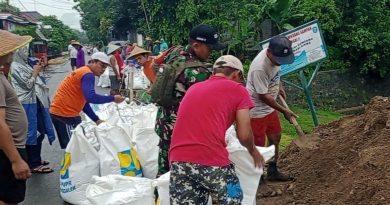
99, 16
364, 38
8, 8
27, 31
60, 35
356, 33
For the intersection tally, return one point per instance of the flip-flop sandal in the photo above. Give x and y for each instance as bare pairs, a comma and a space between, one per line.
45, 162
42, 169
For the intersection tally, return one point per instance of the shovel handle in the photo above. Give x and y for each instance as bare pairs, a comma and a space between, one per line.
293, 119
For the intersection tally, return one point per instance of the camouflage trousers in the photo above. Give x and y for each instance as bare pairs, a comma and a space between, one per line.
193, 183
166, 119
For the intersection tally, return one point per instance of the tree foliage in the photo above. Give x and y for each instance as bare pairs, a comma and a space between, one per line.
365, 38
101, 16
27, 31
60, 35
4, 7
355, 31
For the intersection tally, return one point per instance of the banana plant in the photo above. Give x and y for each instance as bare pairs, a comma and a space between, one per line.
279, 11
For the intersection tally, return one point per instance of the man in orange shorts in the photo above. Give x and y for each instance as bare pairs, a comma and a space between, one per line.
264, 86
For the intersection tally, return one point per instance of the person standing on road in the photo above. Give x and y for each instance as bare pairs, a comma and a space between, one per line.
80, 59
202, 40
263, 84
74, 95
33, 93
72, 54
113, 69
200, 133
14, 170
119, 60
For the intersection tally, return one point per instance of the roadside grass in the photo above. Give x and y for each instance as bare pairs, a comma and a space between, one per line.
305, 121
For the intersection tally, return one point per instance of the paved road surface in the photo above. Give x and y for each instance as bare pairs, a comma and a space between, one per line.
43, 189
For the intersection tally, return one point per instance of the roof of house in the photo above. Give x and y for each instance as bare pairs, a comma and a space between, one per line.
32, 16
14, 18
40, 35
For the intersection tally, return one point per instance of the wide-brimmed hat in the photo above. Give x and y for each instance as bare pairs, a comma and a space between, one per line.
76, 43
137, 51
10, 42
112, 48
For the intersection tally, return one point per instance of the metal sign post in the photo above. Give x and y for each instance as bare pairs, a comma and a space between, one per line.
309, 48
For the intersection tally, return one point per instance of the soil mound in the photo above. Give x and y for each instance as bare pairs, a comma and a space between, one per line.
350, 165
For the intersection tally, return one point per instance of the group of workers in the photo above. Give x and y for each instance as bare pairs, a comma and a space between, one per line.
209, 99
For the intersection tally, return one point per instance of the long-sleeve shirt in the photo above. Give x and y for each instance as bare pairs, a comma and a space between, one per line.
80, 60
88, 88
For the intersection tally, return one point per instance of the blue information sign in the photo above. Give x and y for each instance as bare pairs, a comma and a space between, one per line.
308, 46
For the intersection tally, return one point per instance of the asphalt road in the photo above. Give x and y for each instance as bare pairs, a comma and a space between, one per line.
43, 189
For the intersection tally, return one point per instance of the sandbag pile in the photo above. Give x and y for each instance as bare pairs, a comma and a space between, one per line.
124, 145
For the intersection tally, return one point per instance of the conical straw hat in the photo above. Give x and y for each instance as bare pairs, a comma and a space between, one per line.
76, 43
111, 48
10, 42
136, 51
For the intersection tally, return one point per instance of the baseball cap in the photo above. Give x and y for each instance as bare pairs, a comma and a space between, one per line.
280, 47
206, 34
228, 61
102, 57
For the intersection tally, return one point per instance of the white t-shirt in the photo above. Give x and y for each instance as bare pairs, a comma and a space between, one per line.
72, 51
263, 78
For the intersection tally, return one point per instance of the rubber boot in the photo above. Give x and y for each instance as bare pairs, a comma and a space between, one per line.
273, 174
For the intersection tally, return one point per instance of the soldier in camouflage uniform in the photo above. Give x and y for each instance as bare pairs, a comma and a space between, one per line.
199, 51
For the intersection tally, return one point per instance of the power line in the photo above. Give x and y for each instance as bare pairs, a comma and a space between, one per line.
62, 2
22, 5
55, 7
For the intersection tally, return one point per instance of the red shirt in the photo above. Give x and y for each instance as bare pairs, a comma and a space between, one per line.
207, 110
119, 61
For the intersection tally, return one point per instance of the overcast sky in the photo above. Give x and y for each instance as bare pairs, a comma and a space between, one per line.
60, 8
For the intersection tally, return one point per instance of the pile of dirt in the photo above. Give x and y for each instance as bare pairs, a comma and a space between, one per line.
349, 165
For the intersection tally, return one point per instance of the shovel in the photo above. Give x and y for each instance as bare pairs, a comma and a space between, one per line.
301, 141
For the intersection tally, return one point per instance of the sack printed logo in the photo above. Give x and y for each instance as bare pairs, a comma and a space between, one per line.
65, 182
130, 165
65, 163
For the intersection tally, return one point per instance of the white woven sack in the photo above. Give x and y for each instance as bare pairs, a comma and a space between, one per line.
79, 164
120, 190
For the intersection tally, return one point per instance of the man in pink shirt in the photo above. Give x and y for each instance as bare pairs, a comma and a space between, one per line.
199, 160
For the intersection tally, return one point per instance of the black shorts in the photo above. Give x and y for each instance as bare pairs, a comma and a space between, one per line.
12, 190
64, 126
73, 62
